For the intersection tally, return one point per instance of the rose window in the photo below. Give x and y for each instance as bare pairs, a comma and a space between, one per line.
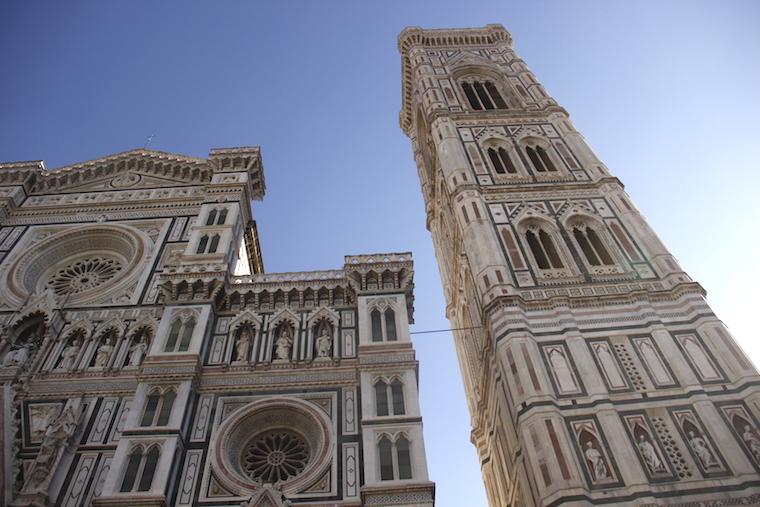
84, 275
275, 456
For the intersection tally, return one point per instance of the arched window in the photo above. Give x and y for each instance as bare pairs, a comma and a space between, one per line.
171, 342
187, 334
501, 161
377, 326
540, 159
385, 449
158, 408
483, 95
214, 244
404, 458
390, 325
395, 459
397, 393
592, 247
202, 244
180, 334
381, 398
222, 217
542, 247
142, 466
211, 217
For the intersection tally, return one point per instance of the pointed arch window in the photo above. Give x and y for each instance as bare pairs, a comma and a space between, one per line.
211, 217
483, 95
592, 246
397, 394
501, 161
158, 408
385, 449
381, 398
377, 326
141, 467
202, 245
180, 334
383, 324
395, 458
403, 458
222, 217
390, 325
540, 159
542, 247
389, 402
214, 244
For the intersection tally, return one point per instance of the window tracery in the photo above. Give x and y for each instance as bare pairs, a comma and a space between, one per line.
140, 469
180, 334
482, 94
158, 407
395, 458
382, 321
275, 456
85, 274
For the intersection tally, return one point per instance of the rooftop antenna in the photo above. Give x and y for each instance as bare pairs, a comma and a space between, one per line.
150, 138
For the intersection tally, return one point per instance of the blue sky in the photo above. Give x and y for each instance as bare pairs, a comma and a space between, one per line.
666, 92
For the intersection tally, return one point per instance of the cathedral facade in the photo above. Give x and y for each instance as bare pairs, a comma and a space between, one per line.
594, 369
148, 359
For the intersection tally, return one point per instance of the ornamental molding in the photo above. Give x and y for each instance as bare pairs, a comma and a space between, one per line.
268, 378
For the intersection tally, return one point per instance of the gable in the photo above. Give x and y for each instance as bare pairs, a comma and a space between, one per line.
132, 169
131, 180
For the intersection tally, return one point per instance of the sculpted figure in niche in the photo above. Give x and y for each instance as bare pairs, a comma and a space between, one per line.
699, 446
69, 355
284, 343
54, 441
17, 356
242, 344
651, 458
324, 342
750, 438
596, 463
137, 351
103, 354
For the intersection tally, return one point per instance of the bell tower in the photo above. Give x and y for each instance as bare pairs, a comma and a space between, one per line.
594, 369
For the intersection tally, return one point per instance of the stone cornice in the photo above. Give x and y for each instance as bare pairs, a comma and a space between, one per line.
172, 166
602, 295
414, 36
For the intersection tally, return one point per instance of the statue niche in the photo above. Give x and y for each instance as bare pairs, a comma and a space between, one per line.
243, 340
23, 340
323, 343
140, 344
283, 342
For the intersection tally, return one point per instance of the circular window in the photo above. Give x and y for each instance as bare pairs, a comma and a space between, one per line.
284, 441
87, 264
84, 275
275, 456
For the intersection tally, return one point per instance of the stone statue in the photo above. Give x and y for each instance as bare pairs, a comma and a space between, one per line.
69, 355
650, 455
598, 467
750, 438
103, 354
241, 346
136, 352
699, 446
284, 343
54, 441
17, 356
324, 343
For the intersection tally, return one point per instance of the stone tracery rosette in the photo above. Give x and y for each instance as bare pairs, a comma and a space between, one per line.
251, 433
83, 264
